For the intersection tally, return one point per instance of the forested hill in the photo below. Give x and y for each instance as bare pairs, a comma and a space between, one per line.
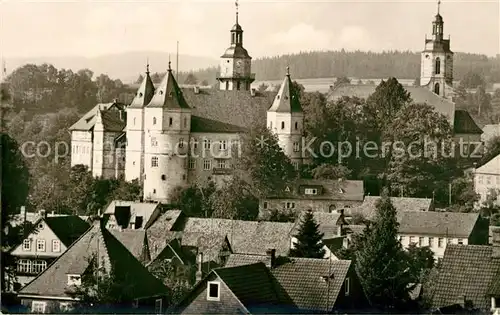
359, 64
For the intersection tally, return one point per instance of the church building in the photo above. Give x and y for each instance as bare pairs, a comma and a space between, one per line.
170, 137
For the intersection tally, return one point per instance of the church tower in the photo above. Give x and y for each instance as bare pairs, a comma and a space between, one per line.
134, 153
437, 60
166, 134
236, 65
285, 118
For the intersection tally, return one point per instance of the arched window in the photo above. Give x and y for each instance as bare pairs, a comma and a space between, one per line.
296, 125
438, 66
282, 125
154, 120
185, 122
436, 88
170, 121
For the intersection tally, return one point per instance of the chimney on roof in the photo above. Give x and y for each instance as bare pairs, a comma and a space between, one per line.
253, 92
271, 253
495, 233
23, 212
199, 274
196, 89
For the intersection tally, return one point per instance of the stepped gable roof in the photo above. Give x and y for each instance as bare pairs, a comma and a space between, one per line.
96, 243
327, 189
418, 94
134, 241
168, 94
467, 271
238, 108
302, 279
369, 206
287, 100
200, 124
448, 224
464, 123
67, 228
88, 120
144, 93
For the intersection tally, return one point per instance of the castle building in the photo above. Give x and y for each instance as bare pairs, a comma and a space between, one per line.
170, 137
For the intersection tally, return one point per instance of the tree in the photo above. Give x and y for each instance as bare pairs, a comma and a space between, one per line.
284, 215
309, 239
139, 79
236, 201
191, 79
463, 194
195, 201
263, 163
262, 87
329, 171
472, 80
381, 262
204, 83
341, 80
176, 276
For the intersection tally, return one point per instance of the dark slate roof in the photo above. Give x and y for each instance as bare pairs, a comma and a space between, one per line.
287, 99
466, 270
245, 259
253, 285
301, 278
448, 224
464, 123
168, 94
237, 108
200, 124
330, 189
112, 121
144, 93
418, 94
88, 120
134, 241
160, 232
236, 51
368, 207
67, 228
96, 243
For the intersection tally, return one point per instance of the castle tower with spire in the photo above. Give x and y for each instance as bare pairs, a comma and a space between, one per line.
236, 64
134, 154
285, 118
437, 60
167, 124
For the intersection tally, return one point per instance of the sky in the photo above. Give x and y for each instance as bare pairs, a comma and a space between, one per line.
94, 28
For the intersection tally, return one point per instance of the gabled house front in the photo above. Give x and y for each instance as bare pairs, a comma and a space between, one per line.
48, 238
52, 290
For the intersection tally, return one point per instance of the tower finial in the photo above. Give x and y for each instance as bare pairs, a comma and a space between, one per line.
147, 65
439, 4
287, 70
236, 4
169, 64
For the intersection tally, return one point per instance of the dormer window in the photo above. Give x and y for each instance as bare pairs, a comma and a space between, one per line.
311, 191
140, 94
74, 279
213, 291
341, 191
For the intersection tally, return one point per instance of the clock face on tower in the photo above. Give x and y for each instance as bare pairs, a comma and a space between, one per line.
238, 64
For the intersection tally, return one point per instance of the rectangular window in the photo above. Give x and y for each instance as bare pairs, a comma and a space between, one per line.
154, 161
213, 291
440, 242
207, 165
194, 143
311, 191
27, 244
24, 266
290, 205
296, 147
420, 241
431, 241
38, 307
39, 266
265, 204
295, 165
412, 239
191, 164
158, 306
460, 241
154, 143
56, 246
206, 144
181, 143
223, 145
347, 286
221, 164
40, 245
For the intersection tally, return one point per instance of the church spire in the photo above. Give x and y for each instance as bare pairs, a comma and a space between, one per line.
145, 91
236, 4
437, 24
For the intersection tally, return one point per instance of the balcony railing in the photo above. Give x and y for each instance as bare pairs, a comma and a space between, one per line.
221, 171
230, 75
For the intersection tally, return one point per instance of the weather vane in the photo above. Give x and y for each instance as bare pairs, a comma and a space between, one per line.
439, 4
236, 4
